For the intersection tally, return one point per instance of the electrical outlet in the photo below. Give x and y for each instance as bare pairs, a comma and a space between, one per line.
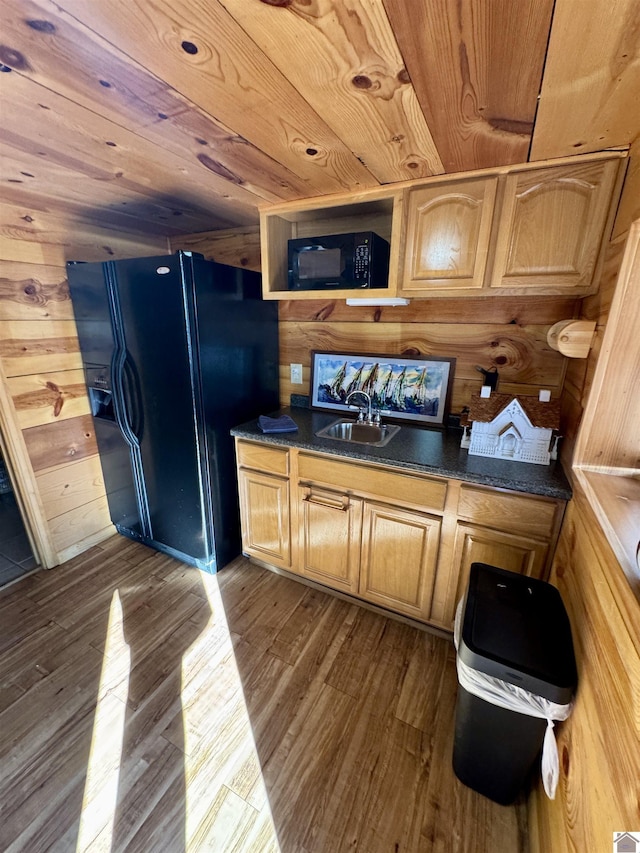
296, 374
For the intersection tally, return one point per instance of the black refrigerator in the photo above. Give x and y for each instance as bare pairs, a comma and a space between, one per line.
176, 351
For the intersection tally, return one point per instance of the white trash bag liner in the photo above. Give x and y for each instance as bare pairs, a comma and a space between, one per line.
513, 698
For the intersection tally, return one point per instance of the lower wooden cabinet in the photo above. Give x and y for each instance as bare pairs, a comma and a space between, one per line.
264, 516
329, 531
399, 557
511, 551
402, 542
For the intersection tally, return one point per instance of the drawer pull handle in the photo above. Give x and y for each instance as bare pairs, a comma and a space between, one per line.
341, 505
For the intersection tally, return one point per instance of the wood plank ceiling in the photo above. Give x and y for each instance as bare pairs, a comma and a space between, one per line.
168, 117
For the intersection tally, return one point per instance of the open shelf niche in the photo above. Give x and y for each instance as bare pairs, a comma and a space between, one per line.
376, 210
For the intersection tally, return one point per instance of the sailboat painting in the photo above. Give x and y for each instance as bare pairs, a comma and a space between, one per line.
410, 389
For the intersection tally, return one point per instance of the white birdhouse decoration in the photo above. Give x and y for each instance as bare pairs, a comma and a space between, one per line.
517, 428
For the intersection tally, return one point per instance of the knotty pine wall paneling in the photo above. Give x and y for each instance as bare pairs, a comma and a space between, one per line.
46, 421
580, 372
511, 337
238, 247
599, 745
507, 333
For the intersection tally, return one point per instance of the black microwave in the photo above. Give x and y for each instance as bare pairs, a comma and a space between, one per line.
334, 261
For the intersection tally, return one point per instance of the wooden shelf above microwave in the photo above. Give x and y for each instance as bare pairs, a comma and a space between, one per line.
378, 210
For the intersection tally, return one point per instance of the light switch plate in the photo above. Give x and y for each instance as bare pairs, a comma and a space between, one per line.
296, 374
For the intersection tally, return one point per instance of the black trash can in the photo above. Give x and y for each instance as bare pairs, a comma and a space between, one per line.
516, 629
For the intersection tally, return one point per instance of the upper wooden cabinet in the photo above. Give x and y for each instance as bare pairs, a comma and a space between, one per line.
536, 231
447, 235
551, 227
520, 230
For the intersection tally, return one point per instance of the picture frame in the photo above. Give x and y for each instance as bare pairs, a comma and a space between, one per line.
416, 391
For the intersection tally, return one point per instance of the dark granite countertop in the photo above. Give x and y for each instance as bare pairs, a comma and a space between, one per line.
425, 450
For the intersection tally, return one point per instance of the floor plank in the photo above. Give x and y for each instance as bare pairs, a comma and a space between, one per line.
146, 706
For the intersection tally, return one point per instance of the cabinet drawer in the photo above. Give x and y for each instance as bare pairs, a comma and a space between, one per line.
522, 514
274, 460
404, 488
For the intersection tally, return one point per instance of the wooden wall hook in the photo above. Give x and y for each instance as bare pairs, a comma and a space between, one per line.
572, 338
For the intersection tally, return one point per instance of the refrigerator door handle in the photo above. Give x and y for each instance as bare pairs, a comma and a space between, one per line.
132, 399
118, 363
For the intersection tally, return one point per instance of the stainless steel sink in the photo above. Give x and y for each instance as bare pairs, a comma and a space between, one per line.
347, 430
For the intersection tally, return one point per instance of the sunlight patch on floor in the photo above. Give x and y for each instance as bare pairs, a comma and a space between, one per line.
101, 786
226, 807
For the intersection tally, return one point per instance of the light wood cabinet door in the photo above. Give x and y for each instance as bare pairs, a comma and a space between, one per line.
551, 227
330, 527
447, 235
512, 551
264, 514
399, 555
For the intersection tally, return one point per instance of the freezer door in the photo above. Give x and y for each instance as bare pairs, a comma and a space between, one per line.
161, 401
91, 306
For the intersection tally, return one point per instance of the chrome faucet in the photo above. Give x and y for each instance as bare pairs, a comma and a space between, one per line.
371, 418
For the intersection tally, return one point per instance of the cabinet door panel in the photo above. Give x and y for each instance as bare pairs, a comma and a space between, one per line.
551, 226
448, 230
399, 554
509, 551
330, 531
264, 511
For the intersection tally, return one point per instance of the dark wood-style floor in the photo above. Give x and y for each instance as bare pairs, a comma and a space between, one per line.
145, 706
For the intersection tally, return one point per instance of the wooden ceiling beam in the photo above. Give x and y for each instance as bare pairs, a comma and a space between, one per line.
40, 181
476, 68
70, 62
202, 53
590, 97
344, 60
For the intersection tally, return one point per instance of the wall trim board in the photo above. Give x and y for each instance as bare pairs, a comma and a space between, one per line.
77, 527
86, 543
26, 487
598, 744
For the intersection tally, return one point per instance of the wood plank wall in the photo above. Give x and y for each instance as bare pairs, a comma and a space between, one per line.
507, 333
579, 374
599, 745
46, 420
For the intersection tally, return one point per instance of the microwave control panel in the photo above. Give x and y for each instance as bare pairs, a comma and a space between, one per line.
361, 260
